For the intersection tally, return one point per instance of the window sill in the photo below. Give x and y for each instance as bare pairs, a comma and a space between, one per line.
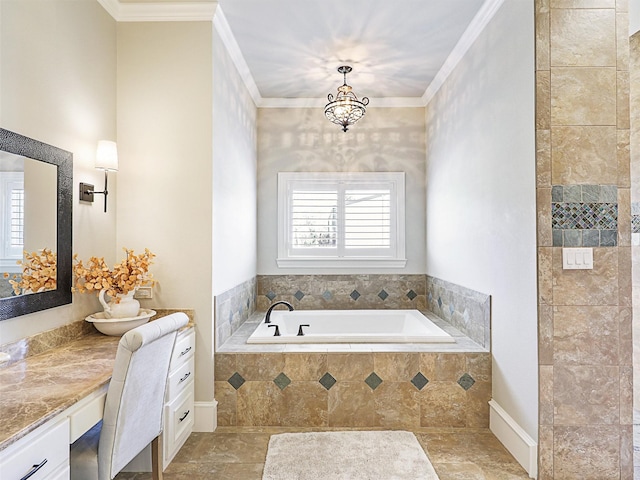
324, 262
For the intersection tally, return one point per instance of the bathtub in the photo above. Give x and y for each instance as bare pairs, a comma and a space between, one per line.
350, 326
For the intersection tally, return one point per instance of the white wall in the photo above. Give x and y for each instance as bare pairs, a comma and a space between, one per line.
303, 140
234, 175
58, 86
481, 218
165, 177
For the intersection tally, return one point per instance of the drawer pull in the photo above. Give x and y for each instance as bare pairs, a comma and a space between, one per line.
184, 415
34, 470
185, 351
186, 375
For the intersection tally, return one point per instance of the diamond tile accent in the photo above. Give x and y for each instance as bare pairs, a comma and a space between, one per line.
383, 295
635, 224
327, 381
419, 381
282, 381
373, 381
327, 295
355, 295
411, 294
299, 295
270, 296
236, 380
451, 308
440, 302
466, 381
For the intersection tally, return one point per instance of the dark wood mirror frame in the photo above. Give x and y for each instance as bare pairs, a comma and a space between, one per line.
23, 304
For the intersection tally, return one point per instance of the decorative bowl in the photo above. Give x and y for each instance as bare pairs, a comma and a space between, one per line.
117, 327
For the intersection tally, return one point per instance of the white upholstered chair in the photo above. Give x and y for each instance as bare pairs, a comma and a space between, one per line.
133, 410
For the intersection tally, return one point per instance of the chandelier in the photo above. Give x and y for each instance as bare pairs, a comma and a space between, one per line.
345, 109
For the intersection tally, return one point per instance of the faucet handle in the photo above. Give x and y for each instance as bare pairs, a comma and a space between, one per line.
277, 334
300, 332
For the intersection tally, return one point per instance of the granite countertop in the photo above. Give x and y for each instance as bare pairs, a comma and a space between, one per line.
38, 388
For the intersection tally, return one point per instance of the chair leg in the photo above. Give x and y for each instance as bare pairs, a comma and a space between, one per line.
156, 458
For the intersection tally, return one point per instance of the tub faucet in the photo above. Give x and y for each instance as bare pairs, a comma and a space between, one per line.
267, 318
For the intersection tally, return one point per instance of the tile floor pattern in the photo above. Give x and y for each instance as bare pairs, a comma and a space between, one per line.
238, 453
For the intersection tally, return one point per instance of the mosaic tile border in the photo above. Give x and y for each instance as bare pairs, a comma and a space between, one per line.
465, 309
584, 215
232, 308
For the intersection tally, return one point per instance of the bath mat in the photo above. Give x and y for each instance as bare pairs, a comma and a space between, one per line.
347, 456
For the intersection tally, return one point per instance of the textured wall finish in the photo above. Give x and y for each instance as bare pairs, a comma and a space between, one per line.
582, 129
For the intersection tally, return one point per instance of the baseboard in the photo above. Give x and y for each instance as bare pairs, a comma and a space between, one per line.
206, 418
523, 448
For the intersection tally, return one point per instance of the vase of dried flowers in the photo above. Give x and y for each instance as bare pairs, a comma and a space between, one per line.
122, 306
118, 283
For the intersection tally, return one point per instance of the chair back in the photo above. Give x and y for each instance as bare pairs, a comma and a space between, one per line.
135, 398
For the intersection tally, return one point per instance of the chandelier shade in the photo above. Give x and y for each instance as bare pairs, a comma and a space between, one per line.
345, 109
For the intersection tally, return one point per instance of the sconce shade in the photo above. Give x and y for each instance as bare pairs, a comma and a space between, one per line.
107, 156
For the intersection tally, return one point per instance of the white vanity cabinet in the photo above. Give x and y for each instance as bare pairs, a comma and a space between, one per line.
179, 398
43, 454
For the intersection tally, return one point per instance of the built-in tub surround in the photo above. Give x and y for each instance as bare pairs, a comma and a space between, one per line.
349, 385
232, 308
465, 309
343, 292
352, 385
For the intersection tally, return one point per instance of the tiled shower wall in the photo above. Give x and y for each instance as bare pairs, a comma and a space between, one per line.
582, 132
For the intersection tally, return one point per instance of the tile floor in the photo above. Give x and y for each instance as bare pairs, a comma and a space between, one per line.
238, 453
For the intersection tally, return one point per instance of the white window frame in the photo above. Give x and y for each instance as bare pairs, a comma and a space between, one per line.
289, 257
9, 254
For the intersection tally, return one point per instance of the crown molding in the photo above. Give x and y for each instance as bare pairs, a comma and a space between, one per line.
160, 12
470, 35
222, 27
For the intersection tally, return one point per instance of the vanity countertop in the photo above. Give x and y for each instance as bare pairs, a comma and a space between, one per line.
36, 389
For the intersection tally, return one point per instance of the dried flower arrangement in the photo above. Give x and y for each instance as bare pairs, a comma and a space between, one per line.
39, 273
126, 276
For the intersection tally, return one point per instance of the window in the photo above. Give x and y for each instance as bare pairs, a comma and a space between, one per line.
341, 220
12, 219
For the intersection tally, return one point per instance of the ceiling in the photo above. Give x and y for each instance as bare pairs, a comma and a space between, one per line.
288, 51
292, 48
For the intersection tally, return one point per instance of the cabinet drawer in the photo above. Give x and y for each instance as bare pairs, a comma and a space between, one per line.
180, 378
184, 347
48, 447
179, 417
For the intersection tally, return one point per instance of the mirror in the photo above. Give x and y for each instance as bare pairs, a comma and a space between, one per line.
35, 214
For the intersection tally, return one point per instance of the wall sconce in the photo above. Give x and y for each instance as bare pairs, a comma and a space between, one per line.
107, 160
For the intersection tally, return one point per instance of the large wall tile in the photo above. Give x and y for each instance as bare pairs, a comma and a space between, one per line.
304, 404
443, 404
586, 335
305, 366
396, 366
351, 404
396, 405
543, 99
584, 155
350, 367
583, 96
543, 158
587, 453
259, 366
545, 402
574, 45
586, 395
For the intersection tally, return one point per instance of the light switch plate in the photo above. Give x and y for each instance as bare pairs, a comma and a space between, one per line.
577, 258
143, 293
